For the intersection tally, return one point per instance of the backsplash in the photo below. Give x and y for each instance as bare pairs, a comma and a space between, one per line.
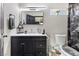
33, 28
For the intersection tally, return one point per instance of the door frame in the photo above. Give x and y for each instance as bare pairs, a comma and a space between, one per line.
2, 29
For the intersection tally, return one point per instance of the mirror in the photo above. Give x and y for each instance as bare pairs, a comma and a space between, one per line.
32, 17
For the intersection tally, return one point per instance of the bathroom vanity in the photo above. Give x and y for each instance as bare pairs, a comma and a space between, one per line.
28, 45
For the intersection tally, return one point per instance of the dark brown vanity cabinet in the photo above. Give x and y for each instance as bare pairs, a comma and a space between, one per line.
28, 46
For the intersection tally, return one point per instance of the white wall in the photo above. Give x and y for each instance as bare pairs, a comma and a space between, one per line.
55, 24
9, 8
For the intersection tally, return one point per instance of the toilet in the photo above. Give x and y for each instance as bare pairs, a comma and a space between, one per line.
60, 42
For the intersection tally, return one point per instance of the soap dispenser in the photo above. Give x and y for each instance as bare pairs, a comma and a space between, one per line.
43, 31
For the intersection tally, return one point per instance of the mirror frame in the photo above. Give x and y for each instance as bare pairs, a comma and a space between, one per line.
31, 11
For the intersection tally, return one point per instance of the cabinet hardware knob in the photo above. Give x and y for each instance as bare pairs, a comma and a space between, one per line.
22, 43
40, 52
40, 44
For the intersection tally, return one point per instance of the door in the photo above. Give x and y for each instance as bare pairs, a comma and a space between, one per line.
1, 29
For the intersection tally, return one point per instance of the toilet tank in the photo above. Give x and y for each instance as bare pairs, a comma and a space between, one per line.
60, 39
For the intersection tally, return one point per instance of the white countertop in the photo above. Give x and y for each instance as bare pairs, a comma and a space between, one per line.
14, 33
29, 34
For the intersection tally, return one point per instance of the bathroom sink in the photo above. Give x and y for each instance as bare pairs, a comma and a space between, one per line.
14, 33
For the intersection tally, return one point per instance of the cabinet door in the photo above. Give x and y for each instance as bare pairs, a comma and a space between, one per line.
21, 46
28, 47
17, 46
14, 46
41, 46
